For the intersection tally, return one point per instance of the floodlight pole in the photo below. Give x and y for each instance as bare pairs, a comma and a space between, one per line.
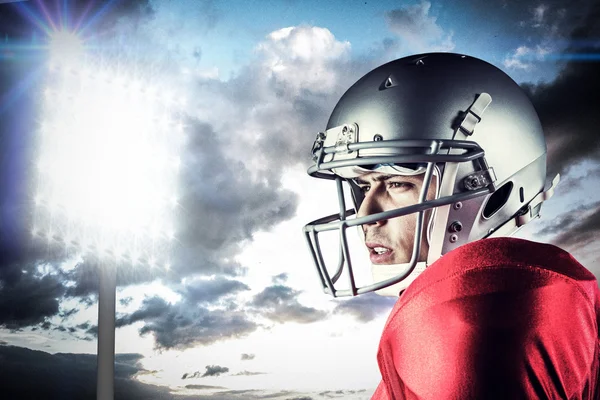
107, 273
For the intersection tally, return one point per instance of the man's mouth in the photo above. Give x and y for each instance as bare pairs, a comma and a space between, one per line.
380, 250
379, 254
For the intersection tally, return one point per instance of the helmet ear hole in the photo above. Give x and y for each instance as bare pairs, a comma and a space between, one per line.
497, 200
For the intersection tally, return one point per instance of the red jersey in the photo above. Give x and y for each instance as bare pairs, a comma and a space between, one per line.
500, 318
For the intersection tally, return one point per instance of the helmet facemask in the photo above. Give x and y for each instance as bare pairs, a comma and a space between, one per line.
433, 158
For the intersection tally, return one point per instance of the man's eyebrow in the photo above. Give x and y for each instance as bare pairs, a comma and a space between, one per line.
379, 178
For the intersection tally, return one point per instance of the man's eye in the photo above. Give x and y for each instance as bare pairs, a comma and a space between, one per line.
400, 185
364, 188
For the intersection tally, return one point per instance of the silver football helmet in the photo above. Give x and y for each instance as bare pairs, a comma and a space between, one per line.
453, 118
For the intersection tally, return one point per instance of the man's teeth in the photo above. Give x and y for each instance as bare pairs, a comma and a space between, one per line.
380, 250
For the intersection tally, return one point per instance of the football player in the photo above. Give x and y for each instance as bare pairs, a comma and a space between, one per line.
444, 158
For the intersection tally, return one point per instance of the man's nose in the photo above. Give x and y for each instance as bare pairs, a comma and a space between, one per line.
371, 204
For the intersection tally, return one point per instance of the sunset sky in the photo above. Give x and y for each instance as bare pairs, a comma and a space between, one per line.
238, 313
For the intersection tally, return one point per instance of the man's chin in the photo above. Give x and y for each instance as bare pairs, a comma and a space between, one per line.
384, 259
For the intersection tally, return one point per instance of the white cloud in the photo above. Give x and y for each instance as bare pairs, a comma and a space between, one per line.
302, 57
524, 57
418, 30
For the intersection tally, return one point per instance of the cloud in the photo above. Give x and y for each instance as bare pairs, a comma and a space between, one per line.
576, 228
545, 31
279, 303
524, 57
125, 301
303, 58
568, 106
281, 278
366, 307
282, 98
193, 375
214, 370
68, 375
417, 29
246, 356
224, 205
203, 387
211, 290
248, 373
20, 367
211, 370
186, 324
28, 296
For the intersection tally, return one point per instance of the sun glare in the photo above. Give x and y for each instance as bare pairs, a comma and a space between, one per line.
65, 46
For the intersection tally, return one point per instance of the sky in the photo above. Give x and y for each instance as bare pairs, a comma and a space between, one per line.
238, 313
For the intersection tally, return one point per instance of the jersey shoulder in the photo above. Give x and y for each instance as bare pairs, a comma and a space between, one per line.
490, 312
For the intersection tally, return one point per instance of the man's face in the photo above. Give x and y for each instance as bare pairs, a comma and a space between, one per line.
391, 241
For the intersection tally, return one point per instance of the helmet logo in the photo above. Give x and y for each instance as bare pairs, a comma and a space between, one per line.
346, 136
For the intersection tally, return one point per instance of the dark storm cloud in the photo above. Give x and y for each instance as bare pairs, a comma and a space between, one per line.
224, 205
208, 291
129, 358
26, 297
92, 330
84, 278
46, 326
575, 229
246, 356
84, 326
73, 376
367, 307
186, 324
279, 303
69, 376
152, 308
568, 106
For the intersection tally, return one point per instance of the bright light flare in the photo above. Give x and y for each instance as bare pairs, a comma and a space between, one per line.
105, 171
65, 47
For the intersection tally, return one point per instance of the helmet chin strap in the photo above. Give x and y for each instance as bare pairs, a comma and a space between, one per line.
386, 271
